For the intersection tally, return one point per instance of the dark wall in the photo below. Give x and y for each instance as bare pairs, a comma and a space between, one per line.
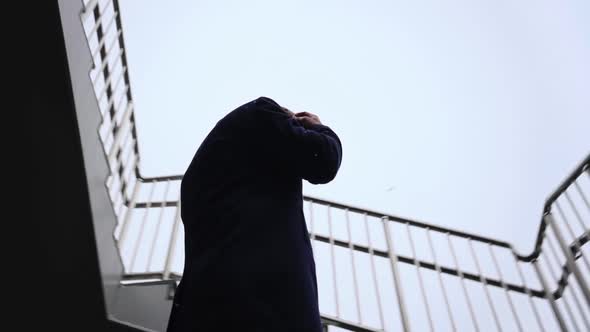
53, 268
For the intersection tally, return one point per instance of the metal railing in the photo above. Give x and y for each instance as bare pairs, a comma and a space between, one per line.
376, 271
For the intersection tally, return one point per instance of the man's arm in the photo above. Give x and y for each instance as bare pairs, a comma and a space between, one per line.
310, 150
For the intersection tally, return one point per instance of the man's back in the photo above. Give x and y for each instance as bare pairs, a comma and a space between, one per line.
248, 259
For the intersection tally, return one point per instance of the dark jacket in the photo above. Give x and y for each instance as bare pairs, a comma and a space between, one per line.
248, 259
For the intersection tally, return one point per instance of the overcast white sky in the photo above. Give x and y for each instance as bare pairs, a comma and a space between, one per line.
460, 113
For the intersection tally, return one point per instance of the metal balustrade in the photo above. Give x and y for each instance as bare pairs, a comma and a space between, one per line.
376, 271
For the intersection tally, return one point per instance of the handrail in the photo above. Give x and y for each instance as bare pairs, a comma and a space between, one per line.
584, 166
351, 208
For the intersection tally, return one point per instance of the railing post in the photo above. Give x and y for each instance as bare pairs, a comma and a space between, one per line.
570, 261
462, 279
528, 291
333, 260
549, 296
373, 271
155, 237
148, 207
420, 281
396, 278
354, 273
128, 213
172, 243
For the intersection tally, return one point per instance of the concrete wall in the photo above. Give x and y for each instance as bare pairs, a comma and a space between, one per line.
145, 306
88, 118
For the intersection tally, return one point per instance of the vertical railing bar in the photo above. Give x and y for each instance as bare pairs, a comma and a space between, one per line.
119, 194
120, 202
114, 86
155, 237
172, 243
576, 244
105, 60
333, 259
103, 39
117, 139
570, 261
125, 158
113, 118
112, 190
112, 155
130, 209
97, 20
575, 209
420, 281
581, 308
116, 144
88, 9
311, 226
528, 292
374, 272
581, 192
100, 72
462, 278
396, 278
127, 173
484, 285
129, 104
440, 281
119, 106
142, 226
111, 178
549, 295
352, 262
576, 300
508, 298
105, 31
555, 277
111, 102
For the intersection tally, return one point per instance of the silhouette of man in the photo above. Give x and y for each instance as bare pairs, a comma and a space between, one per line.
248, 258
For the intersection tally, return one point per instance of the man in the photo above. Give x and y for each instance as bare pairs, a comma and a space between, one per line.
248, 259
